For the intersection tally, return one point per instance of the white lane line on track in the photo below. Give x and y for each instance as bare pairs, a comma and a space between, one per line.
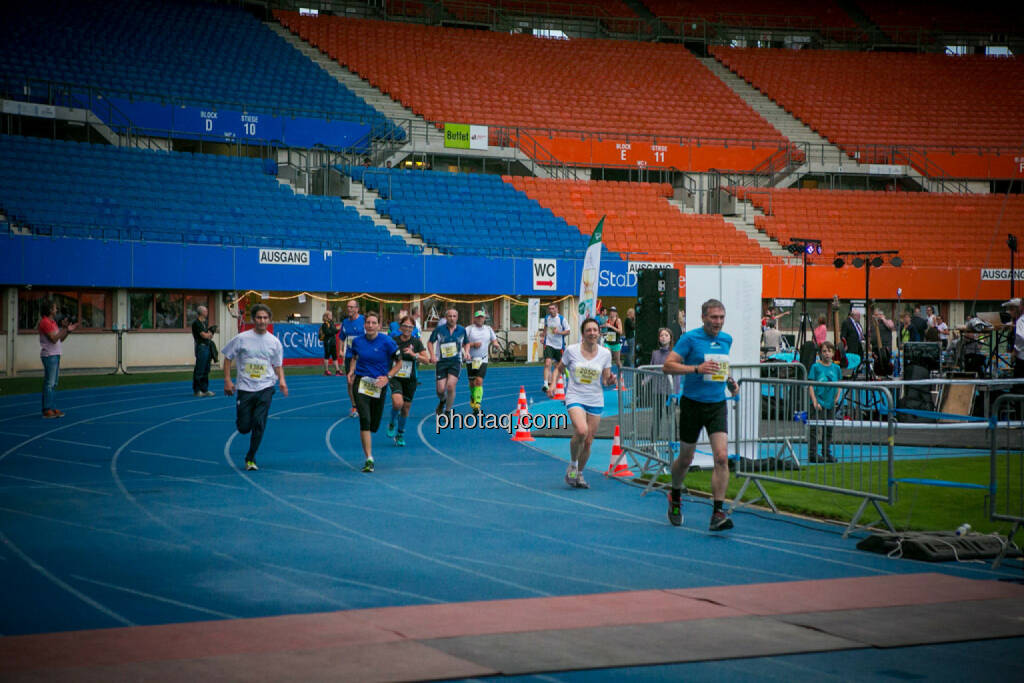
18, 434
55, 484
91, 404
61, 584
355, 532
505, 566
89, 527
189, 538
78, 443
353, 582
553, 539
76, 423
157, 598
177, 457
766, 546
193, 480
61, 460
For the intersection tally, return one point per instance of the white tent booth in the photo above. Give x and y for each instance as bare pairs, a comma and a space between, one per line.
739, 289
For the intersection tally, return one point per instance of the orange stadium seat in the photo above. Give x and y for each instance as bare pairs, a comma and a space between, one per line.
930, 104
929, 229
599, 86
640, 222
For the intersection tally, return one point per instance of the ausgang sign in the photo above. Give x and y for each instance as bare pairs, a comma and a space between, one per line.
284, 257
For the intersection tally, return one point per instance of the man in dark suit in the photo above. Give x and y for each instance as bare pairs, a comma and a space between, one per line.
852, 333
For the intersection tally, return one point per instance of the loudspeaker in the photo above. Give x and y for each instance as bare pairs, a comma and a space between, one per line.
657, 306
916, 397
924, 354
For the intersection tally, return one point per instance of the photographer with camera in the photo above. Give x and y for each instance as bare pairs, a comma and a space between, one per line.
202, 335
52, 331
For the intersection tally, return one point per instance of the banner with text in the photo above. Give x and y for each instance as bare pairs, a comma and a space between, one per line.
465, 136
242, 126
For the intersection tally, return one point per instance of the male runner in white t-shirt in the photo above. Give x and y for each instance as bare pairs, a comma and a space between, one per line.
259, 357
479, 339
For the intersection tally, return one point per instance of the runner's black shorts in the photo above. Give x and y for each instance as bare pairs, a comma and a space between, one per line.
370, 409
406, 386
330, 350
695, 416
552, 353
473, 374
444, 369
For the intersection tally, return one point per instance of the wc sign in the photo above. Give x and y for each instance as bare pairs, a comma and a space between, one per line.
545, 274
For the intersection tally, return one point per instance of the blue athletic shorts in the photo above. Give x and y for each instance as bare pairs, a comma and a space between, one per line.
590, 410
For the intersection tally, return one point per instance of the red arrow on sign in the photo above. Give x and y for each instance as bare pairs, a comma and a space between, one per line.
545, 282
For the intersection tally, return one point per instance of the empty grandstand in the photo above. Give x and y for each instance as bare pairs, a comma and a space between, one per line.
963, 114
929, 229
68, 189
469, 214
169, 52
584, 96
640, 222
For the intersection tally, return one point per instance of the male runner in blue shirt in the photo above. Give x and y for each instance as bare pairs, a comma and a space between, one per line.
702, 355
352, 325
447, 346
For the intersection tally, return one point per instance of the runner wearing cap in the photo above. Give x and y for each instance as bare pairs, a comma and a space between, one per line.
479, 338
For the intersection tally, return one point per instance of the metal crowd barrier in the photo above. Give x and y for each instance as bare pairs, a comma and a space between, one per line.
1006, 466
649, 414
846, 450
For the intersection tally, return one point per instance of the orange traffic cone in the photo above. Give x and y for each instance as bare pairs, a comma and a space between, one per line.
522, 418
521, 404
559, 394
617, 467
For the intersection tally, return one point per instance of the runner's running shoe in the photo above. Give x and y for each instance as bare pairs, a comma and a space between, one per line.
368, 466
675, 512
720, 521
250, 465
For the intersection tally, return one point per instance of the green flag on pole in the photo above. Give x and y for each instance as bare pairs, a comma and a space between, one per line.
589, 276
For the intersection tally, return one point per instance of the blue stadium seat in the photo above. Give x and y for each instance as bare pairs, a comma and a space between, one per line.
97, 191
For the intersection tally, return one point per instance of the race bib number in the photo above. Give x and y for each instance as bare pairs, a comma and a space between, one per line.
367, 387
722, 373
254, 369
476, 363
585, 375
610, 337
449, 349
405, 370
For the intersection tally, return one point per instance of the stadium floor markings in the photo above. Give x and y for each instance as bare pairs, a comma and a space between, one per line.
612, 514
190, 538
397, 547
157, 598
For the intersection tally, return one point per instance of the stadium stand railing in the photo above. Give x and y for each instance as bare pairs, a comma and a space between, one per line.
68, 189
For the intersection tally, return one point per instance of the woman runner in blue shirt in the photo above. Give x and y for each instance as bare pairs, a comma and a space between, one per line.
373, 354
